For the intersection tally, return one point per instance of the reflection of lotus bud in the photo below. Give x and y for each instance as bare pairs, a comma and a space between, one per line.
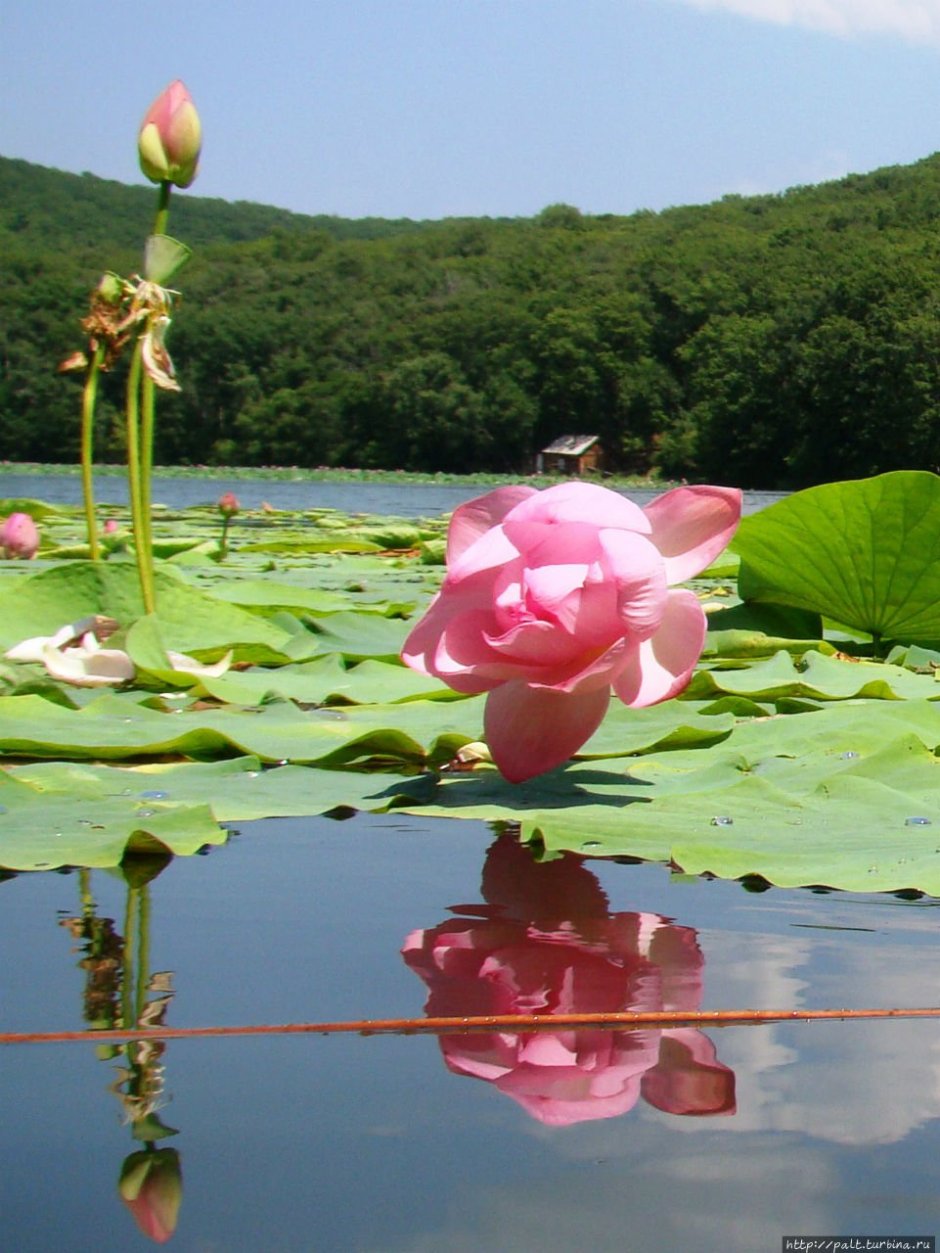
151, 1186
19, 536
228, 504
170, 137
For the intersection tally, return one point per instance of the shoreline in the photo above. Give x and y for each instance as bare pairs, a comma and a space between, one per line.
329, 474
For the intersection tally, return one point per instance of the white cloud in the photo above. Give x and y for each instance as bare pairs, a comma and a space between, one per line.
914, 20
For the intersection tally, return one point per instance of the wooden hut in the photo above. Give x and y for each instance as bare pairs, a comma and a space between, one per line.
570, 454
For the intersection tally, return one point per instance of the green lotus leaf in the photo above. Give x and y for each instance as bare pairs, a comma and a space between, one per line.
818, 677
269, 596
109, 728
862, 553
41, 830
239, 789
831, 798
358, 636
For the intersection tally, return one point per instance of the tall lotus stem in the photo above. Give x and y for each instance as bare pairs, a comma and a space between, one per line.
140, 523
89, 397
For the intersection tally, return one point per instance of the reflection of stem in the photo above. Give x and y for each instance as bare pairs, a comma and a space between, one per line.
89, 397
128, 1016
84, 887
143, 946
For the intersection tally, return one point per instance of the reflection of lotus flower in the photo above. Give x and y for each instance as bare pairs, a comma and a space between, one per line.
523, 954
151, 1186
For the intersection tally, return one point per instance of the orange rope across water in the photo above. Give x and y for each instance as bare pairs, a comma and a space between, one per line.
625, 1020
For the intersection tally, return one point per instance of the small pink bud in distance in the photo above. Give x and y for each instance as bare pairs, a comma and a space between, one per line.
110, 526
19, 536
170, 138
228, 504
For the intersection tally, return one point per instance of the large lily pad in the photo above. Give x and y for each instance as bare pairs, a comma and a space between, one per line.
863, 553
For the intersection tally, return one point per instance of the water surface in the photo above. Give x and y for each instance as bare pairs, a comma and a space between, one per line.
705, 1140
404, 500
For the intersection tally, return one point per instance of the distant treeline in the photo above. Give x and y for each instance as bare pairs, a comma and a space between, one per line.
768, 341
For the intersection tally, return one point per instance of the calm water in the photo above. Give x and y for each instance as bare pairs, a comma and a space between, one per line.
717, 1140
404, 500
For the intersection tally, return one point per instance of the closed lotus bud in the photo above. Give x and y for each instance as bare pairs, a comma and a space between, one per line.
19, 536
170, 138
151, 1186
228, 504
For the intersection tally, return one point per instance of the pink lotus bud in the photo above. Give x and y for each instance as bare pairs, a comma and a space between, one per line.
151, 1186
110, 526
19, 536
228, 504
170, 138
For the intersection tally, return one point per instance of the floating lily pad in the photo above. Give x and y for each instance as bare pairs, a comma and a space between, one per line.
863, 553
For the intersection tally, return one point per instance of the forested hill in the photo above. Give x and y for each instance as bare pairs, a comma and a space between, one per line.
766, 341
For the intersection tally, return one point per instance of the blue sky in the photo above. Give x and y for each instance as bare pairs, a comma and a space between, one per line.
435, 108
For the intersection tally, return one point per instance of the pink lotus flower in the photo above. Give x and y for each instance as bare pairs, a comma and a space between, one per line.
553, 598
228, 504
546, 944
170, 138
19, 536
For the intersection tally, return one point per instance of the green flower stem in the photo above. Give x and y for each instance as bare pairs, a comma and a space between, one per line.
89, 398
142, 388
163, 208
139, 525
147, 393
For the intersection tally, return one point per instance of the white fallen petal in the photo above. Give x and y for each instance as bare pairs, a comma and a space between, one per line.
29, 650
189, 665
33, 648
88, 667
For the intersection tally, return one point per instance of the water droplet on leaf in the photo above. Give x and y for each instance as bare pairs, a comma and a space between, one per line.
722, 820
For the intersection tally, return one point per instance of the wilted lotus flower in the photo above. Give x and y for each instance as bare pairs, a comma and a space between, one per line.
87, 664
74, 655
170, 138
19, 536
151, 1186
